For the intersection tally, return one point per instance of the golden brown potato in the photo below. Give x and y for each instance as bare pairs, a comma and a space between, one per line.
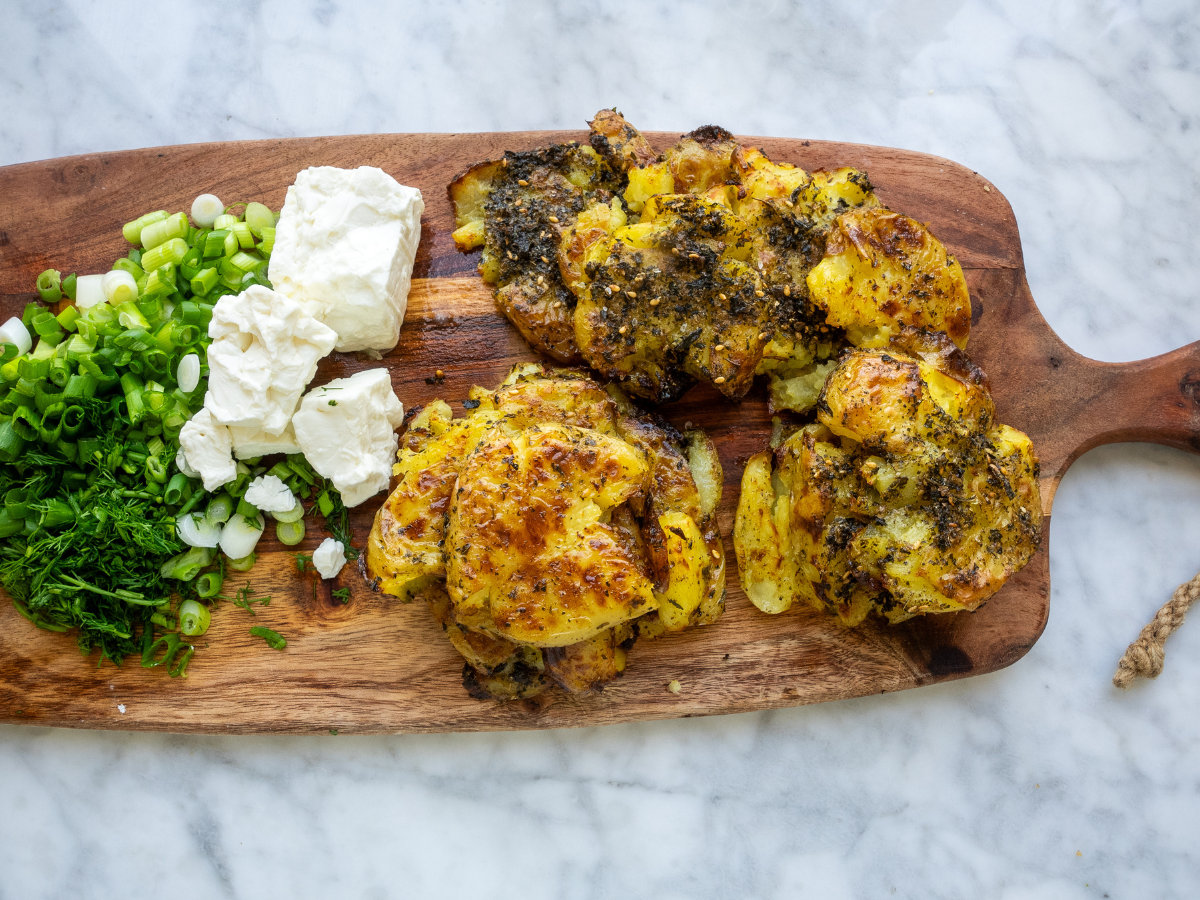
548, 528
709, 263
672, 299
619, 142
905, 498
883, 271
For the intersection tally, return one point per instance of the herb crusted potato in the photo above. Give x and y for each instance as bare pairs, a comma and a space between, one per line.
709, 262
906, 497
550, 528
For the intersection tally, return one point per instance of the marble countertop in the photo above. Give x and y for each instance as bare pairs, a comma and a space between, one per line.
1037, 782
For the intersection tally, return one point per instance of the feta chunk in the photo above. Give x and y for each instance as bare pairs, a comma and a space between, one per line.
347, 430
249, 443
264, 351
344, 249
207, 448
268, 494
329, 558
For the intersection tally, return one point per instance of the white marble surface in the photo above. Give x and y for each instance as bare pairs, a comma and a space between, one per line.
1036, 783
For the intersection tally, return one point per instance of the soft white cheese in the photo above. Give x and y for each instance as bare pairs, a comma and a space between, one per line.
269, 494
347, 430
208, 449
329, 558
250, 443
344, 249
264, 351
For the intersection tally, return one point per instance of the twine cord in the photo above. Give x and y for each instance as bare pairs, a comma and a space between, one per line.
1144, 657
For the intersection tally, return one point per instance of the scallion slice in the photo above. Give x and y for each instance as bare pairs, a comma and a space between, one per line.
240, 535
14, 332
89, 291
188, 373
49, 286
205, 210
245, 564
194, 617
290, 533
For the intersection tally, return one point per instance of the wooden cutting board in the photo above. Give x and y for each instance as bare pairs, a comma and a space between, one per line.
375, 665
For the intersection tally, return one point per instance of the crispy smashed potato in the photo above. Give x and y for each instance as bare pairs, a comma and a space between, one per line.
905, 498
707, 263
549, 529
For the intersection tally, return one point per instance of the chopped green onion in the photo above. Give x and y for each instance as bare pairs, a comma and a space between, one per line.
14, 332
187, 375
245, 261
245, 237
245, 564
119, 287
268, 240
214, 243
205, 210
246, 509
209, 584
295, 514
133, 388
69, 285
240, 535
259, 217
290, 533
89, 291
204, 281
188, 564
156, 233
274, 639
133, 230
128, 265
194, 617
196, 530
68, 317
325, 503
172, 251
220, 508
173, 495
49, 286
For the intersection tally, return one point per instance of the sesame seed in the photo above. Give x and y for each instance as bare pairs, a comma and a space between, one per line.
545, 260
554, 218
762, 335
522, 182
675, 250
787, 290
541, 279
758, 293
719, 347
720, 379
716, 555
632, 294
504, 163
522, 210
693, 256
722, 296
654, 301
510, 256
986, 188
439, 373
621, 330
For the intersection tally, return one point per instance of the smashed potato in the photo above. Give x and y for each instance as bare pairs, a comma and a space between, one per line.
549, 528
905, 498
708, 263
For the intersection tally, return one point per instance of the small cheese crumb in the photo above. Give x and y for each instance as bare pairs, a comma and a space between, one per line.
329, 558
121, 708
270, 494
675, 687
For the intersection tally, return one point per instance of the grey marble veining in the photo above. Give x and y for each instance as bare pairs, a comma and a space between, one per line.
1036, 783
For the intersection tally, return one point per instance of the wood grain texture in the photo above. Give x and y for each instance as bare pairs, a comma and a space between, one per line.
374, 665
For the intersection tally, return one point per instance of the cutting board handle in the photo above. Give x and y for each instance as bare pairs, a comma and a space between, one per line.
1154, 400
